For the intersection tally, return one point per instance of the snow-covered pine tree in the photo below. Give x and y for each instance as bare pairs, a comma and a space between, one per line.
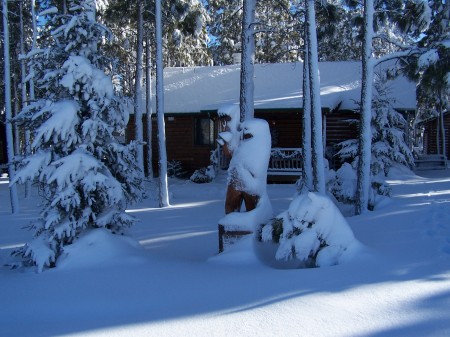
86, 177
388, 146
277, 38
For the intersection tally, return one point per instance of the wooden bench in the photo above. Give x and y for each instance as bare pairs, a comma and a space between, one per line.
285, 165
431, 162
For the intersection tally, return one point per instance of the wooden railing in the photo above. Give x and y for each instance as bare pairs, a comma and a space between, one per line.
285, 161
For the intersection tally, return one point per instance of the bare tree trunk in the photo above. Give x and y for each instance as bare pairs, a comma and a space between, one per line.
138, 96
23, 70
316, 107
247, 60
163, 183
441, 118
148, 75
365, 133
16, 133
8, 111
307, 175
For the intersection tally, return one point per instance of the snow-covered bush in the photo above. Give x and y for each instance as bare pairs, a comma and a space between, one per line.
207, 174
203, 175
342, 185
175, 169
313, 231
85, 175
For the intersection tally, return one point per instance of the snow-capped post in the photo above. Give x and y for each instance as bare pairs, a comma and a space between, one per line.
8, 111
163, 183
316, 107
365, 133
247, 60
138, 88
87, 177
247, 176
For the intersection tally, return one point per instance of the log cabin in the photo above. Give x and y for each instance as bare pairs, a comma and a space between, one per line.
433, 149
193, 95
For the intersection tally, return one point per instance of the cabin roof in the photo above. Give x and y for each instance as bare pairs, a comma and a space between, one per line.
277, 86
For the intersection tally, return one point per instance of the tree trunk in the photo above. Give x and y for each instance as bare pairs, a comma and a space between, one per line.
316, 107
307, 175
247, 60
23, 70
365, 133
138, 96
8, 111
148, 75
163, 183
441, 118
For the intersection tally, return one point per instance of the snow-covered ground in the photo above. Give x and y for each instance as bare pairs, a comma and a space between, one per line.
174, 284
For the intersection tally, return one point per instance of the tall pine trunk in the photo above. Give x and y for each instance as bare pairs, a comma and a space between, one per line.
162, 162
8, 111
138, 95
247, 60
149, 112
316, 107
23, 73
307, 175
365, 133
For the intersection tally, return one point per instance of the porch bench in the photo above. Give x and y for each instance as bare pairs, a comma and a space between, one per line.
285, 162
431, 162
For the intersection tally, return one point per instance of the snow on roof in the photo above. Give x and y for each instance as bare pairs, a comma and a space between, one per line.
277, 86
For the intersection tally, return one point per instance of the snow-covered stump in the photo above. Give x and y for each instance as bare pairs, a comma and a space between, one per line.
247, 179
312, 232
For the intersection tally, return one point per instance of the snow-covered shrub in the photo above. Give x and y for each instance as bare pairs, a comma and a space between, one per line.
85, 175
207, 174
175, 169
342, 185
203, 175
313, 231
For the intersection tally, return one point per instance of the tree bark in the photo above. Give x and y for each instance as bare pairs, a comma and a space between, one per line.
246, 101
316, 107
163, 183
307, 175
138, 96
8, 112
148, 82
365, 133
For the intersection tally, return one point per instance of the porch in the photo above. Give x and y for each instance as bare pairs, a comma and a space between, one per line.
284, 162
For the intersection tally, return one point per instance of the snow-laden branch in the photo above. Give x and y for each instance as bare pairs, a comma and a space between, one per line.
398, 55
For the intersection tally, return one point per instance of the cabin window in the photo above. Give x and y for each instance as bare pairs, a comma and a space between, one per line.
204, 131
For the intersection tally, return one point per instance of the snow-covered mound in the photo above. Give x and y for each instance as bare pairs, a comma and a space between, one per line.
99, 247
312, 231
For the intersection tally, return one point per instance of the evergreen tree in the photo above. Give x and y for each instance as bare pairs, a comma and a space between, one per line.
277, 31
432, 67
86, 176
388, 146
